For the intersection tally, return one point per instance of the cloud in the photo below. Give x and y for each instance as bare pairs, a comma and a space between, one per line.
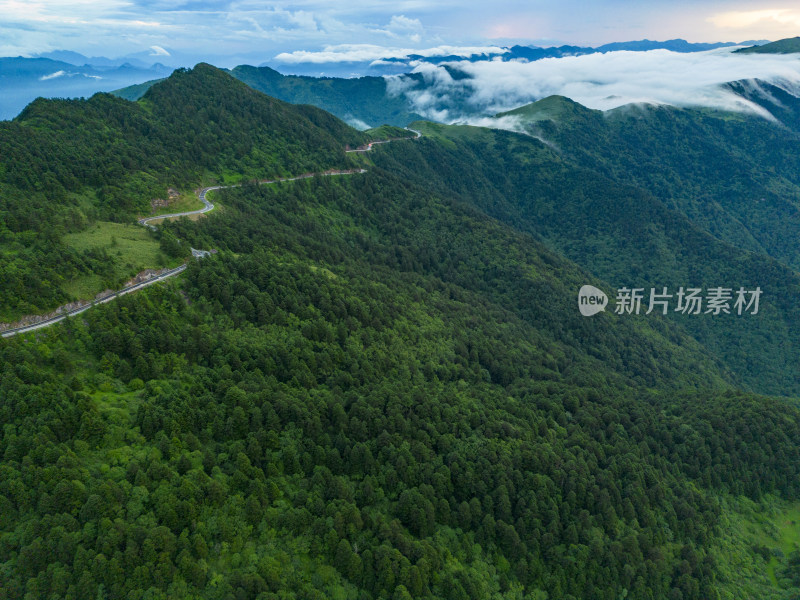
58, 74
52, 75
773, 23
158, 51
401, 26
742, 19
357, 123
371, 52
600, 81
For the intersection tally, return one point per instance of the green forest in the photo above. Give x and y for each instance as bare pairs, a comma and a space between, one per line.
380, 386
359, 101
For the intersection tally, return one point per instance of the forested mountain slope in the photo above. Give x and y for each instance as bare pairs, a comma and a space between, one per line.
381, 387
66, 163
621, 233
361, 101
734, 175
377, 379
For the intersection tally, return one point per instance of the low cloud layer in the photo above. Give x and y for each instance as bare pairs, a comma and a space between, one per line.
55, 75
601, 81
368, 52
59, 74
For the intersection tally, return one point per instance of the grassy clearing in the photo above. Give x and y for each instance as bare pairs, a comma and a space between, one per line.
84, 287
130, 241
753, 550
779, 531
131, 247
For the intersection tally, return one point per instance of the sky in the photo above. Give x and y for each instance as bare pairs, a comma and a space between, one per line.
232, 32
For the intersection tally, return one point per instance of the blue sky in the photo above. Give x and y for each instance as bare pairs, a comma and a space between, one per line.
228, 33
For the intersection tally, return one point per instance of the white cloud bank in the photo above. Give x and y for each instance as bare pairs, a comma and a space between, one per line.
601, 81
370, 52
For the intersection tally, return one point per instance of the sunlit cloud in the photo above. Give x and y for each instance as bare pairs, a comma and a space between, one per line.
741, 19
773, 23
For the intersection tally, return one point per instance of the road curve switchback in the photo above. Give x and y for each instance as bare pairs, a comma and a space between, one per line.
207, 206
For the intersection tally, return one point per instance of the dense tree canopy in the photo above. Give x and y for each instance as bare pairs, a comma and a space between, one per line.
380, 386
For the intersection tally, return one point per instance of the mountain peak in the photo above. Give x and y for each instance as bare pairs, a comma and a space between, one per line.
551, 108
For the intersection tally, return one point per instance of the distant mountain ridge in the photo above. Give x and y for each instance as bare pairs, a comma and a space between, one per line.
531, 53
24, 79
142, 60
84, 75
401, 64
370, 101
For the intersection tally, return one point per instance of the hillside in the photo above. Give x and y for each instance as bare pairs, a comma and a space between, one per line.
69, 163
359, 101
623, 233
340, 381
734, 175
785, 46
362, 102
381, 386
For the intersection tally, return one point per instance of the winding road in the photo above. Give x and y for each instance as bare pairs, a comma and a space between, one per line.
368, 147
103, 300
207, 206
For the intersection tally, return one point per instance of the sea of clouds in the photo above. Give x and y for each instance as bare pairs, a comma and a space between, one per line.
600, 81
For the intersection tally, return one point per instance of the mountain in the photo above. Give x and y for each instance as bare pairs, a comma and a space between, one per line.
785, 46
135, 91
676, 45
537, 53
450, 96
79, 60
141, 60
66, 161
380, 386
625, 225
326, 83
24, 79
729, 173
396, 65
362, 102
724, 177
